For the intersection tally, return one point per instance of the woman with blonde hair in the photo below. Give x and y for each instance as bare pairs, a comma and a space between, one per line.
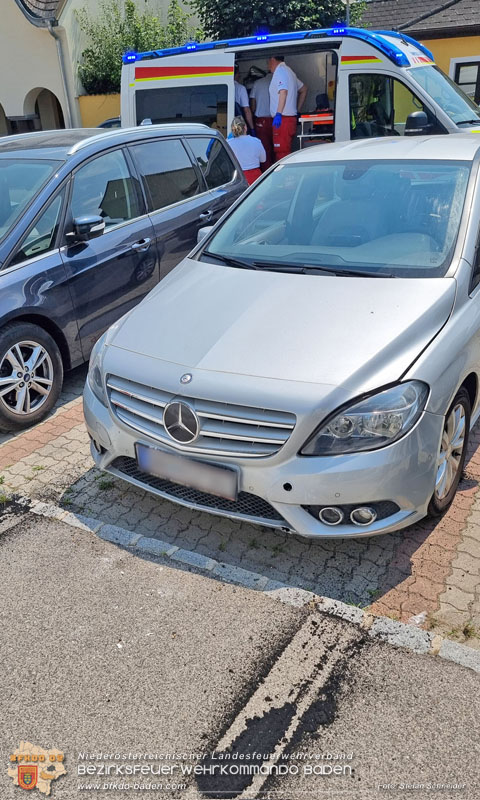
248, 149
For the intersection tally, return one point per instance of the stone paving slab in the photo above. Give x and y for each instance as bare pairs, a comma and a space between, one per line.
428, 573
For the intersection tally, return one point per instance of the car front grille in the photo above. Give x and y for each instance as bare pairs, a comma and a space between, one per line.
246, 506
225, 429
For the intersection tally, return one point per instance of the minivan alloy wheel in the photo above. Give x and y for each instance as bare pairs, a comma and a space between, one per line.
31, 374
451, 449
26, 377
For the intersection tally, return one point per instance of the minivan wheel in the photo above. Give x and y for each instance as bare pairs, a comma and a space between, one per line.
453, 449
31, 375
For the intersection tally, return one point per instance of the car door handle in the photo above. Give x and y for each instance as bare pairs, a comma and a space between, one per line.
142, 245
206, 216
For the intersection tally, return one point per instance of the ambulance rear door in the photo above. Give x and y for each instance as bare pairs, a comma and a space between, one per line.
188, 87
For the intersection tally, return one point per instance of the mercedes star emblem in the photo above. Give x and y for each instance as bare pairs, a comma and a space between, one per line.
186, 378
181, 422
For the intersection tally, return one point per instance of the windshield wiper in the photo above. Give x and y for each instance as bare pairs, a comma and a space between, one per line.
230, 262
469, 121
303, 269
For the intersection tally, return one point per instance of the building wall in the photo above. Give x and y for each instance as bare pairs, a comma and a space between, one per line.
28, 60
96, 108
455, 47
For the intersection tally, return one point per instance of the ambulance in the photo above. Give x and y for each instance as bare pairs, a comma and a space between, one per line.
376, 83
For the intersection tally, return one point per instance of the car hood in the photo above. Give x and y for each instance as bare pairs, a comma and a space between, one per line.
313, 328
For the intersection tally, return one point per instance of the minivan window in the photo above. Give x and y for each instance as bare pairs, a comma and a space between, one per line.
20, 181
447, 94
399, 218
167, 172
42, 236
104, 187
212, 158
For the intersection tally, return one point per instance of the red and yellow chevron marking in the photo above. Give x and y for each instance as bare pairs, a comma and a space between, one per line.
419, 61
172, 73
360, 60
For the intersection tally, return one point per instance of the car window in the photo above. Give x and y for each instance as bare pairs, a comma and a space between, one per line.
167, 172
396, 217
20, 181
214, 161
104, 187
380, 105
42, 236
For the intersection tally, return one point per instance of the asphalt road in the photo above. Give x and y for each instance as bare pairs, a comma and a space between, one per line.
106, 654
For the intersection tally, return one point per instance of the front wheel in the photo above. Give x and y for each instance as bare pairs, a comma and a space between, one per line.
31, 375
453, 449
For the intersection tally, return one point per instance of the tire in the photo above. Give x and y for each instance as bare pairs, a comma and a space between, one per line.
25, 402
456, 429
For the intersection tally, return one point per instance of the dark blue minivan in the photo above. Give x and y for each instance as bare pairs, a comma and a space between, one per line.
89, 222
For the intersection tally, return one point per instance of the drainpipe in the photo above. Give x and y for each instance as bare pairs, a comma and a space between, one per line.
61, 61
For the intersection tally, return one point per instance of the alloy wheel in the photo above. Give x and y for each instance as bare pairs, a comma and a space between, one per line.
26, 377
451, 449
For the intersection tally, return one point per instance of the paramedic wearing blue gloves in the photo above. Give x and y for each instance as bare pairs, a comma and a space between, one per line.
287, 95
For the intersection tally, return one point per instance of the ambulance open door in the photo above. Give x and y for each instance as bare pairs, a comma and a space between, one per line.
189, 87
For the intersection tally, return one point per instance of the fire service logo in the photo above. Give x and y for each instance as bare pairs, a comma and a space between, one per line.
32, 767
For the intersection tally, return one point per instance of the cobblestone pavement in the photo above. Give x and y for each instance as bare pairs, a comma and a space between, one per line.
429, 572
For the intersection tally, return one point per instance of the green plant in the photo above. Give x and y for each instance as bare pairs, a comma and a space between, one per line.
119, 27
105, 484
2, 479
224, 18
37, 468
469, 630
222, 546
4, 499
253, 544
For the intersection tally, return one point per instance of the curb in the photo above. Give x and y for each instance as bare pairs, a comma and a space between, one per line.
398, 634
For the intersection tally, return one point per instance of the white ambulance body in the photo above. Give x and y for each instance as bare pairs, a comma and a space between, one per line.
374, 82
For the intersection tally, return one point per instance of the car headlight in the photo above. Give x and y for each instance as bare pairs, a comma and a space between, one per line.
95, 374
378, 420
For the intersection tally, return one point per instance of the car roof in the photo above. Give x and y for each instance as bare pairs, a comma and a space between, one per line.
448, 147
61, 144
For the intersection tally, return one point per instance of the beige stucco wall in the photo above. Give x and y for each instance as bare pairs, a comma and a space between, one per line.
28, 61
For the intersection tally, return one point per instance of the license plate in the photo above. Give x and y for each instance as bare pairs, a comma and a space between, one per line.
220, 481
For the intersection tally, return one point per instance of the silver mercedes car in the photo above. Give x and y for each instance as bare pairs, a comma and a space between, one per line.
314, 364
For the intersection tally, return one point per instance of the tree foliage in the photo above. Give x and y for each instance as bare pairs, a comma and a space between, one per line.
232, 18
121, 26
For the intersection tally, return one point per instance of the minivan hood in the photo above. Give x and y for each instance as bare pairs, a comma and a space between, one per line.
313, 328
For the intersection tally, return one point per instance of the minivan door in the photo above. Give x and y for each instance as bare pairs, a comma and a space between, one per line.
110, 274
178, 201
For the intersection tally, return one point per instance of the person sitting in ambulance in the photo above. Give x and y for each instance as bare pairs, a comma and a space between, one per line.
242, 105
248, 149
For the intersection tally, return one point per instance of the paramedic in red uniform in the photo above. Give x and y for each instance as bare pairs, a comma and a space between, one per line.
287, 95
248, 149
260, 105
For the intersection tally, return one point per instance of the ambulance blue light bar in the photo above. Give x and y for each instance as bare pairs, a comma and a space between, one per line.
418, 45
374, 38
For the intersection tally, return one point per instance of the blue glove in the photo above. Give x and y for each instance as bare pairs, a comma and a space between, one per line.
277, 120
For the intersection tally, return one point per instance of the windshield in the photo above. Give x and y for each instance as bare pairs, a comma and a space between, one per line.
20, 182
397, 218
447, 94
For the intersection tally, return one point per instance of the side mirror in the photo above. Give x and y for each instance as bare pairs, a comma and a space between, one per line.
85, 228
417, 124
202, 232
